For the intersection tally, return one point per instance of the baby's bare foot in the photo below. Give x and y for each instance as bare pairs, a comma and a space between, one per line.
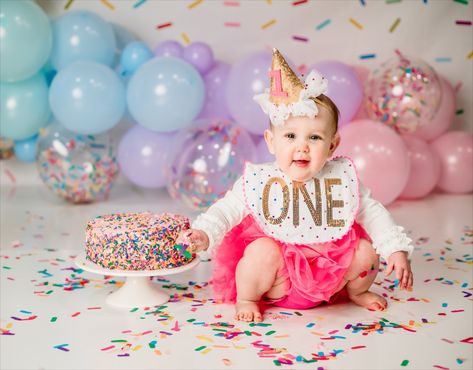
248, 311
370, 300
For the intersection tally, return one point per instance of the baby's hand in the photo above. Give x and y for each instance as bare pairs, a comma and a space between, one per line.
197, 240
400, 264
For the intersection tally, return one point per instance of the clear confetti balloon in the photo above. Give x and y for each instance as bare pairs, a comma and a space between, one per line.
404, 93
207, 159
78, 168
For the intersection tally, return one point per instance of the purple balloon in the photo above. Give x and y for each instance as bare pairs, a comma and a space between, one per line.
215, 80
169, 48
200, 55
249, 76
142, 154
344, 87
262, 153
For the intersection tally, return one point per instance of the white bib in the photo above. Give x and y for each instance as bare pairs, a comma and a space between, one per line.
317, 211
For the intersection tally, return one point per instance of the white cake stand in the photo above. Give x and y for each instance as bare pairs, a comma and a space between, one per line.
138, 290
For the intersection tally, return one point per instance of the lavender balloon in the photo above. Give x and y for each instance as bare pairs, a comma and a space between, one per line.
344, 87
206, 161
262, 153
215, 81
248, 77
169, 48
142, 154
200, 55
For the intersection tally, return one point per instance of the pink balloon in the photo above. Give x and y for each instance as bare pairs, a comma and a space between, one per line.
424, 170
363, 74
455, 150
380, 157
442, 119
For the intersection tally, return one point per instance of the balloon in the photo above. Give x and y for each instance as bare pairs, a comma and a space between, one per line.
344, 88
25, 150
248, 77
169, 48
142, 154
122, 38
25, 40
363, 75
380, 156
262, 153
200, 55
443, 118
134, 55
404, 93
424, 169
206, 161
455, 150
87, 97
82, 35
165, 94
24, 107
215, 82
77, 168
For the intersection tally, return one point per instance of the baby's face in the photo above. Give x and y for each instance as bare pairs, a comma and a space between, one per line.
302, 145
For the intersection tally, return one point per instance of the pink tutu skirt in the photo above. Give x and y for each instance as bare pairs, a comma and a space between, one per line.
312, 280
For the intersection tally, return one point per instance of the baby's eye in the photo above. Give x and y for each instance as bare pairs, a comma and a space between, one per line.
315, 137
290, 135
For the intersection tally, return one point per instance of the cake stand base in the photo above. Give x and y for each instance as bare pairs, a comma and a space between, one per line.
138, 290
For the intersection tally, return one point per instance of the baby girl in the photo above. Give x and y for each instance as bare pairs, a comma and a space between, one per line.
295, 232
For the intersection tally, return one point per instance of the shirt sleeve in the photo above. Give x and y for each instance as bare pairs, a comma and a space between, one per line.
386, 235
223, 215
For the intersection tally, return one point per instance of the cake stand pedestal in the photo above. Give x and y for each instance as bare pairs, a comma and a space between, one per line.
138, 290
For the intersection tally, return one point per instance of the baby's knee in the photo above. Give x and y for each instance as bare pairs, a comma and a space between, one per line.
264, 250
366, 254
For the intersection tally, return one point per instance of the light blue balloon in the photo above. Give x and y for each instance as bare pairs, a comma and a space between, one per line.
82, 35
24, 107
165, 94
25, 150
123, 37
134, 55
25, 39
87, 97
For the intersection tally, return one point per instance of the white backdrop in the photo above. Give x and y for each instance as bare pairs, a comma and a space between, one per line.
426, 29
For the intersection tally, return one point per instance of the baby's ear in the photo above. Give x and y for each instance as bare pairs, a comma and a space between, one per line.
268, 137
335, 143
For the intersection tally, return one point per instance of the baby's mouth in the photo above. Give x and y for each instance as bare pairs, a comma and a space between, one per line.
301, 162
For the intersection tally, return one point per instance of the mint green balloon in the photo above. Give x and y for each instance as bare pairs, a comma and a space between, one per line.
25, 39
24, 107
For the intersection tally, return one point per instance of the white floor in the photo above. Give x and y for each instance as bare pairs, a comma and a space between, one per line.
54, 315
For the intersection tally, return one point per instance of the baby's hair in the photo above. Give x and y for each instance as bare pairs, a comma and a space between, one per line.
327, 103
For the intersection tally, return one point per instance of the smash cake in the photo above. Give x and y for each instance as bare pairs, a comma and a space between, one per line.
136, 241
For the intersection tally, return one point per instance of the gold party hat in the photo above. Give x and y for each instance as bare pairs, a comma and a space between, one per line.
285, 86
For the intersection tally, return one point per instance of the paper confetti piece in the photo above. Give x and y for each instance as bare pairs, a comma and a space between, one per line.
231, 3
138, 3
232, 24
108, 4
392, 1
443, 59
68, 4
185, 38
356, 24
194, 4
323, 24
226, 362
200, 348
470, 55
300, 38
463, 23
465, 2
62, 347
53, 319
164, 25
10, 175
404, 362
268, 24
299, 2
394, 25
467, 340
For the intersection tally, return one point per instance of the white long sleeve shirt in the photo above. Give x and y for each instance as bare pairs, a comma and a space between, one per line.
229, 211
